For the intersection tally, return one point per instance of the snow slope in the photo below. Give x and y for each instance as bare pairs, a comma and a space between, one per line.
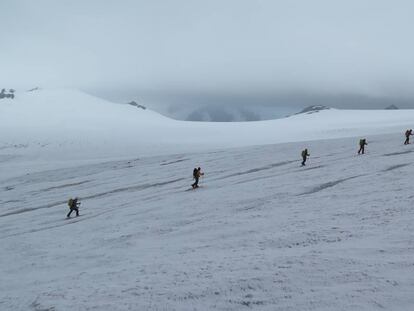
68, 124
262, 233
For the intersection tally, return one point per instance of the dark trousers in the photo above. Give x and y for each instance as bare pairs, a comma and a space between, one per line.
407, 140
361, 149
304, 160
73, 209
195, 185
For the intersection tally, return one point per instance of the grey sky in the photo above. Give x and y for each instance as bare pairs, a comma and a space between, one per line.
215, 46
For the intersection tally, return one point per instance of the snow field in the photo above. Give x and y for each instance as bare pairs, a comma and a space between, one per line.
261, 233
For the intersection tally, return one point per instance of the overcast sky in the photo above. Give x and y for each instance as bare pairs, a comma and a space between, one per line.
214, 46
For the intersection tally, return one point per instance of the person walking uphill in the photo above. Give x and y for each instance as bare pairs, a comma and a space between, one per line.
305, 155
74, 206
362, 144
196, 175
408, 133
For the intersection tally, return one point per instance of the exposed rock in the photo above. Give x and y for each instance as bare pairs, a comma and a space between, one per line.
3, 94
34, 89
392, 107
135, 104
313, 109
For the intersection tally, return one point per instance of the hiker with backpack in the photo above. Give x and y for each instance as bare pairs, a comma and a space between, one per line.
362, 144
305, 155
196, 176
74, 206
408, 133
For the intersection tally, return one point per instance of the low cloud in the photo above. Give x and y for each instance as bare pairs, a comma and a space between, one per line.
235, 48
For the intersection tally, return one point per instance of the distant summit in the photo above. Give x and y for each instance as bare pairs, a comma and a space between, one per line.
135, 104
313, 109
392, 107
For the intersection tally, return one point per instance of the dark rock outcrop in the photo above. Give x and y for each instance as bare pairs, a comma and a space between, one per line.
313, 109
3, 94
135, 104
34, 89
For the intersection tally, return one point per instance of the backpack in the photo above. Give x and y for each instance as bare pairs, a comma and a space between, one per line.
70, 202
195, 171
407, 133
362, 142
304, 153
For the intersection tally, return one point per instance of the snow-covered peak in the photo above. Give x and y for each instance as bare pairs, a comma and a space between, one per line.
391, 107
69, 109
313, 109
